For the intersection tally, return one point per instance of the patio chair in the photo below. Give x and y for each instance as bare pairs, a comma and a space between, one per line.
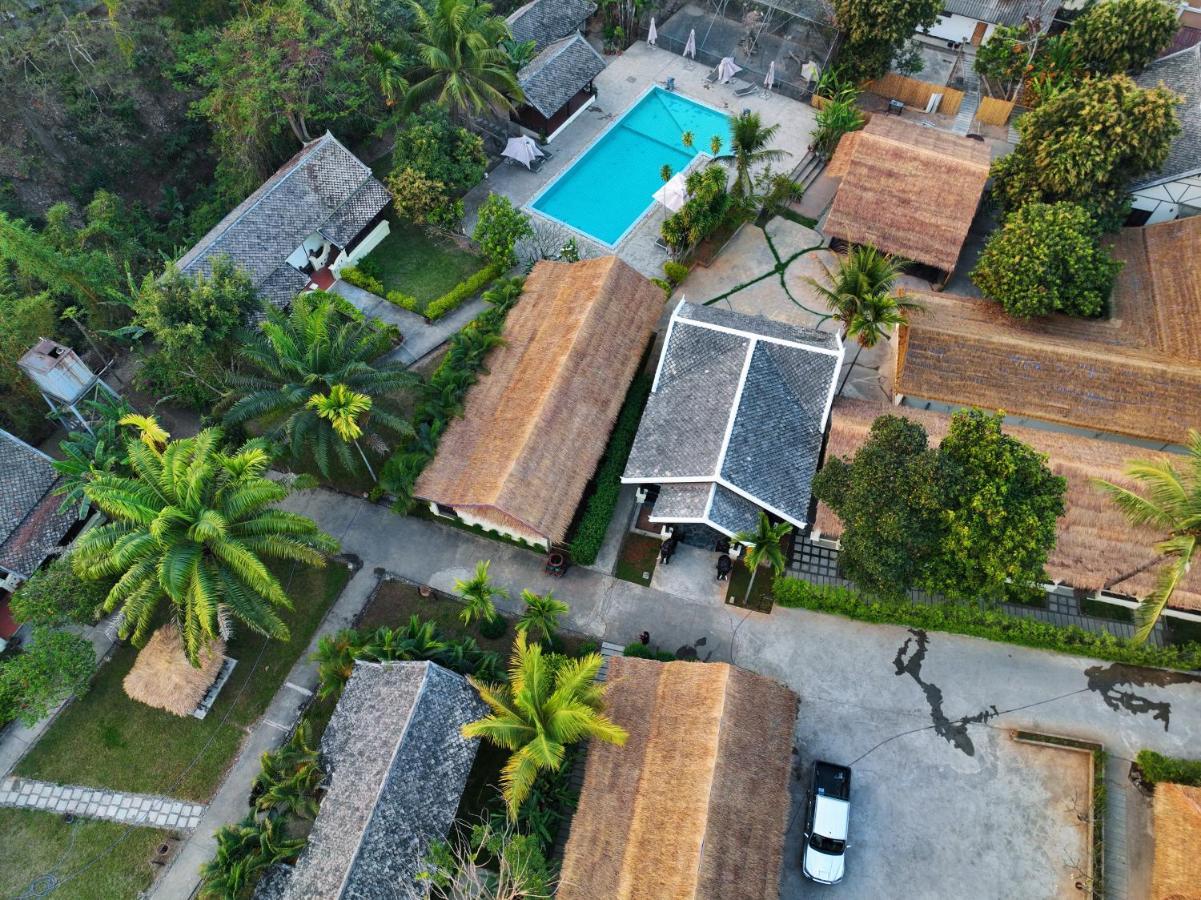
711, 78
742, 88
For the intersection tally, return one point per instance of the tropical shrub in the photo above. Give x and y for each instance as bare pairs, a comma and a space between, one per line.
87, 452
500, 226
55, 595
675, 271
1122, 35
709, 207
541, 615
1047, 258
359, 277
461, 292
404, 301
424, 200
836, 118
26, 318
640, 650
290, 777
440, 150
1158, 768
244, 851
53, 666
479, 595
876, 29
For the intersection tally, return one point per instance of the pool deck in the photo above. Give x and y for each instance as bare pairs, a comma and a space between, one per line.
624, 81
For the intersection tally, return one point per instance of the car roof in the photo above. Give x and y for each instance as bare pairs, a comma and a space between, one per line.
831, 817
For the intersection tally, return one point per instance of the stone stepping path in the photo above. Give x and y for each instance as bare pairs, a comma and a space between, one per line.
92, 803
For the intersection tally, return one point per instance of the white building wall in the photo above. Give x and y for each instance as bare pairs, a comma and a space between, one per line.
1171, 200
952, 27
487, 524
362, 248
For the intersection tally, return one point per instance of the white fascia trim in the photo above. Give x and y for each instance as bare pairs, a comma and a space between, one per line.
671, 324
750, 336
667, 479
833, 386
678, 520
731, 535
799, 523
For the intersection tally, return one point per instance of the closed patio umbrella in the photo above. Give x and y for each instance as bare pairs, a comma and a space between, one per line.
690, 47
523, 149
727, 69
652, 36
674, 193
770, 81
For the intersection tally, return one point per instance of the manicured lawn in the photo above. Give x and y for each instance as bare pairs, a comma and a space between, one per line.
34, 843
637, 558
107, 740
760, 599
414, 262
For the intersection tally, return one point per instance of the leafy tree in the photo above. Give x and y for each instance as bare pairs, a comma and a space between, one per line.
749, 145
461, 65
243, 851
876, 29
439, 149
541, 615
53, 666
1086, 144
55, 595
193, 526
548, 704
26, 317
1047, 258
1118, 36
500, 226
423, 200
1001, 503
1017, 56
887, 498
317, 385
479, 595
1170, 503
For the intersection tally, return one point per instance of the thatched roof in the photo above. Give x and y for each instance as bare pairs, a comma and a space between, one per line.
534, 427
907, 190
1137, 373
163, 678
1096, 547
1177, 826
695, 805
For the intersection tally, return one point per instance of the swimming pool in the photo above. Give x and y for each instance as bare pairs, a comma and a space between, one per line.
606, 190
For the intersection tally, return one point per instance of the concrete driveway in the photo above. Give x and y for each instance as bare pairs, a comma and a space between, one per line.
944, 805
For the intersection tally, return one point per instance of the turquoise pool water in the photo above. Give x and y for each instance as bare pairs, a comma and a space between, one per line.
611, 185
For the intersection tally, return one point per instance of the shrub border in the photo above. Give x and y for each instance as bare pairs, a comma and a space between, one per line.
1157, 768
464, 290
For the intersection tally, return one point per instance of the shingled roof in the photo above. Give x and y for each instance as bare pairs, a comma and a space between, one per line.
558, 73
324, 187
1179, 72
907, 190
1137, 373
546, 21
535, 425
737, 413
397, 767
1005, 12
695, 805
31, 524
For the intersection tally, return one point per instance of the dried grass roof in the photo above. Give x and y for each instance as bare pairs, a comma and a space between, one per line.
1096, 547
907, 190
1176, 874
534, 427
695, 805
163, 678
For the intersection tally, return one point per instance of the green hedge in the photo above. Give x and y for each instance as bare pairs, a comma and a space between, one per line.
1156, 768
404, 301
361, 279
462, 291
640, 651
590, 530
989, 624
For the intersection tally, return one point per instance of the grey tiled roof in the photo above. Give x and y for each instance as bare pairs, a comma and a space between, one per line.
30, 522
765, 401
353, 215
682, 501
558, 73
324, 184
1179, 72
733, 512
397, 767
546, 21
1005, 12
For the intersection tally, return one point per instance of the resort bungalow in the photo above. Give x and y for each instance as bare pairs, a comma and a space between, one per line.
734, 423
1174, 192
396, 767
1176, 824
974, 21
695, 805
321, 211
1137, 373
907, 190
535, 425
557, 82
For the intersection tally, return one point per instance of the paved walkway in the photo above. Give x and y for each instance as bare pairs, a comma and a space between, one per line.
114, 806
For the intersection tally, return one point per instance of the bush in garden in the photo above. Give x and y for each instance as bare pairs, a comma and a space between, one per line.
55, 595
499, 228
53, 666
424, 200
1156, 768
461, 292
442, 151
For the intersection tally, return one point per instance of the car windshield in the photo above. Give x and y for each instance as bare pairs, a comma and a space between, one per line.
823, 844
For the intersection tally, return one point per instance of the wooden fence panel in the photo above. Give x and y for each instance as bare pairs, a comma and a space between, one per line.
915, 93
993, 111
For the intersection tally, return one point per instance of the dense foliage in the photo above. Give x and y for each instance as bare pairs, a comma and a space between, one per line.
859, 293
1119, 36
244, 851
1157, 768
102, 449
834, 119
710, 206
972, 520
499, 227
441, 150
460, 293
53, 666
1047, 258
876, 30
983, 623
750, 142
55, 595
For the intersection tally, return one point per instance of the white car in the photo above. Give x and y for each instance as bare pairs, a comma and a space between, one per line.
828, 824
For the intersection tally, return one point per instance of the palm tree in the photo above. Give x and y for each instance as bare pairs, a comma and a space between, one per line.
461, 64
545, 707
541, 614
1172, 505
290, 777
764, 547
192, 525
243, 850
389, 72
479, 593
318, 387
749, 140
860, 296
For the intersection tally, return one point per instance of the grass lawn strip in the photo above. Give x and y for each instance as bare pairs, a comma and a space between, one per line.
34, 843
106, 740
413, 262
637, 558
760, 599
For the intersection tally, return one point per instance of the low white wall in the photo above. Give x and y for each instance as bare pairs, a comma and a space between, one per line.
488, 525
362, 248
1164, 201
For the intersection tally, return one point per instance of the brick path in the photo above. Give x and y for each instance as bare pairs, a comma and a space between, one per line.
92, 803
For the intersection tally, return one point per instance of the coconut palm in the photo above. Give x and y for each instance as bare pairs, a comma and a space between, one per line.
541, 614
193, 525
547, 705
244, 850
317, 386
389, 69
749, 139
479, 593
859, 292
1171, 504
764, 547
461, 63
